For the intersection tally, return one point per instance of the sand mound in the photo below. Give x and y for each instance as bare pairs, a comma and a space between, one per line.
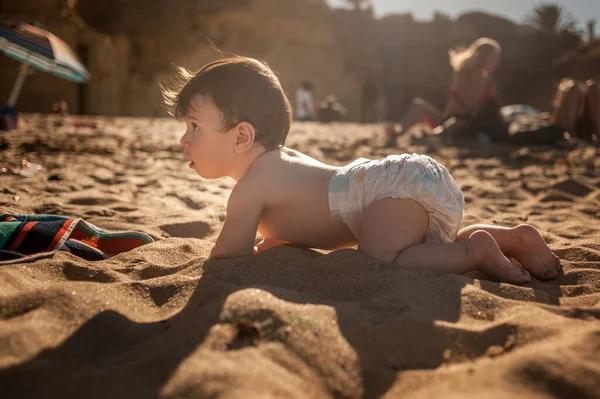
163, 321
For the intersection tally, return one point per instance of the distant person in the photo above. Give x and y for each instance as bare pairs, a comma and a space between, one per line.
588, 126
472, 101
60, 108
305, 103
368, 100
331, 110
403, 209
575, 110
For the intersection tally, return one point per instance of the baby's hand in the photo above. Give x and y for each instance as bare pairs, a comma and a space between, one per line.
267, 243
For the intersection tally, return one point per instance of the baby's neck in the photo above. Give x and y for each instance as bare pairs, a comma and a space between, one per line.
247, 160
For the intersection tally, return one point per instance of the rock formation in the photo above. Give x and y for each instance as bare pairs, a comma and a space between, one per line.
130, 46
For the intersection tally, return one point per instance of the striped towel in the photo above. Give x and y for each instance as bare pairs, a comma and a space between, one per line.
29, 237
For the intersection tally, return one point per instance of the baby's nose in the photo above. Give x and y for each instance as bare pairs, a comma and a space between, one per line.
184, 141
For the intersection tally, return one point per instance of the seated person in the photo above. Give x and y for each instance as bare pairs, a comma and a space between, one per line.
331, 110
305, 104
588, 126
576, 111
472, 92
60, 108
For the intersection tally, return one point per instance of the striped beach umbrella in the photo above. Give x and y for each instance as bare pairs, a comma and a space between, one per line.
36, 47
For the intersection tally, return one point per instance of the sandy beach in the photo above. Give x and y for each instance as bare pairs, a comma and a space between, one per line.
163, 321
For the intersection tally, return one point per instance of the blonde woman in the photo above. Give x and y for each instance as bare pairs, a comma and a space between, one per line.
472, 91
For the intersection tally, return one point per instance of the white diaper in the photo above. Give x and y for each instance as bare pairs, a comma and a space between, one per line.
354, 187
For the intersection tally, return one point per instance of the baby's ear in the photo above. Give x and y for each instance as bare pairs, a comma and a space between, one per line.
244, 137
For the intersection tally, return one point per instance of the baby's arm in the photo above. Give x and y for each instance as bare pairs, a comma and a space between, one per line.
239, 230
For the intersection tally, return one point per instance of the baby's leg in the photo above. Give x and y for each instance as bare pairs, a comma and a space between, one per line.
392, 230
524, 243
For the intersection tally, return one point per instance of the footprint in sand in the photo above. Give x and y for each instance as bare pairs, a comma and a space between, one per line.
49, 209
20, 305
108, 181
187, 230
554, 196
123, 209
92, 201
189, 202
593, 211
74, 272
100, 212
578, 254
573, 187
253, 328
162, 294
148, 184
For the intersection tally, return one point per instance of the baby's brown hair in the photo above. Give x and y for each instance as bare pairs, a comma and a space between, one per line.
243, 89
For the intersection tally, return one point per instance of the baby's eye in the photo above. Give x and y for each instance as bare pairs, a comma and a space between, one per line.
195, 127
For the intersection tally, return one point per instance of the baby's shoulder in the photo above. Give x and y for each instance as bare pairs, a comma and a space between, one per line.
279, 171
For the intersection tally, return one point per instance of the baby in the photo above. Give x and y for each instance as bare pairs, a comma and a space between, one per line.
406, 209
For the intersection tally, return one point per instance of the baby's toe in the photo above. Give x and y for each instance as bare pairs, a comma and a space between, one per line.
552, 268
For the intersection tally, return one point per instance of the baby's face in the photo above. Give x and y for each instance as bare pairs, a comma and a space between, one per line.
209, 150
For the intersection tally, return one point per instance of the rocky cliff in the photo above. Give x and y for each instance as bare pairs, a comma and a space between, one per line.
130, 46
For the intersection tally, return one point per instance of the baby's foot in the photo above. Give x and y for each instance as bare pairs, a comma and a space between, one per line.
533, 253
489, 259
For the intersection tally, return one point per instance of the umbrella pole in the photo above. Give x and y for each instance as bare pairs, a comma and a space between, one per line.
16, 90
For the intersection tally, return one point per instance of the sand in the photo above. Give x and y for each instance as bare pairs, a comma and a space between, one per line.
162, 321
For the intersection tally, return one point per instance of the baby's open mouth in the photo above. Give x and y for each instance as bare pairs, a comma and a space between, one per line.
191, 164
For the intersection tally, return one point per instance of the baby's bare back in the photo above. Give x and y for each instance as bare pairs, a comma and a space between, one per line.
294, 188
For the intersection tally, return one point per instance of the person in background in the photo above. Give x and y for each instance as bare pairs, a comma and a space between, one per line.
588, 127
575, 110
368, 99
472, 101
60, 108
305, 103
331, 110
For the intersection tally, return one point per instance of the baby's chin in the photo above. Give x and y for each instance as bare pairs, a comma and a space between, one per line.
192, 165
203, 174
